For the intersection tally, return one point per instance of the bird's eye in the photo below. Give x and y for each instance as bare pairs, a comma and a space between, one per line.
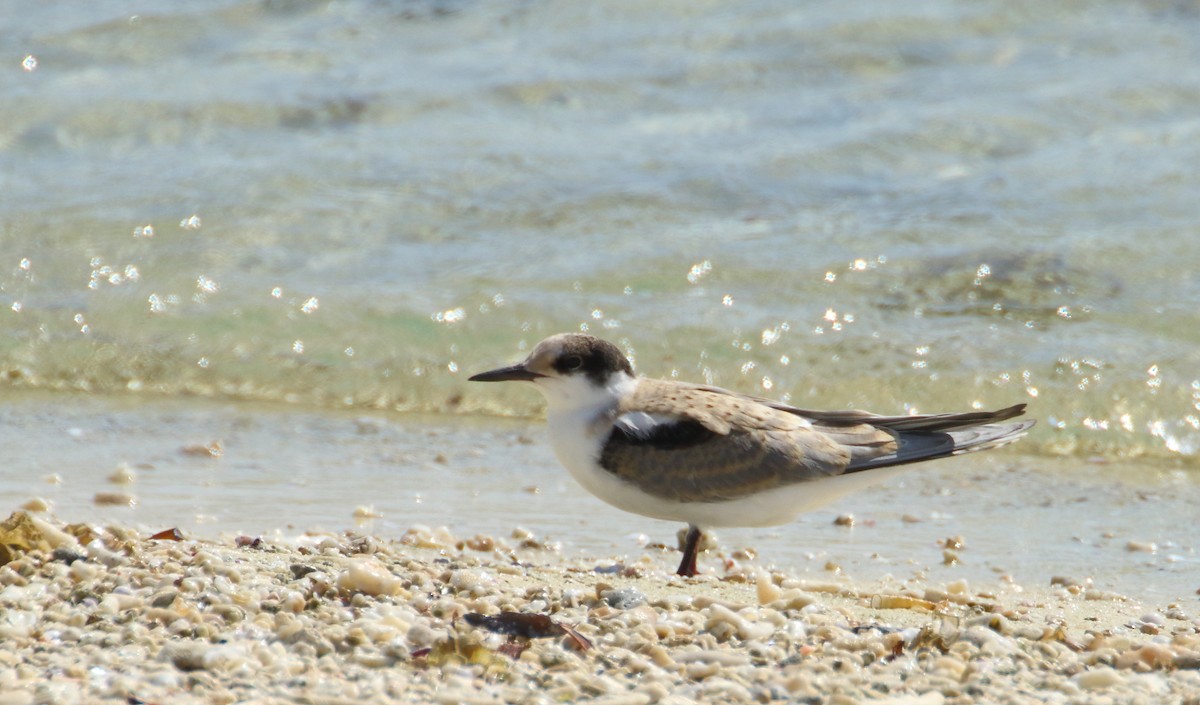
573, 362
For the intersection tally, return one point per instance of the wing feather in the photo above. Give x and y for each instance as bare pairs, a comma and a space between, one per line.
695, 443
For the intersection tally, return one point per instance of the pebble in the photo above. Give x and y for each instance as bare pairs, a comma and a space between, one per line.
108, 499
370, 577
767, 590
1098, 679
122, 475
36, 504
624, 598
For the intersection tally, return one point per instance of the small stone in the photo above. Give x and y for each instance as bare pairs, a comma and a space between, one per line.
767, 590
67, 555
109, 499
185, 655
846, 520
164, 599
1098, 679
369, 577
624, 598
1141, 547
122, 475
36, 504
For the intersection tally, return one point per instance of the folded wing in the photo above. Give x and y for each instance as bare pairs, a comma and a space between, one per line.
692, 443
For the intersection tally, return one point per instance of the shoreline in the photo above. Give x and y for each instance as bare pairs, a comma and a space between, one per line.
112, 615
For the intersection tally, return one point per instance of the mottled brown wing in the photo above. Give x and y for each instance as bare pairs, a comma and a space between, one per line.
827, 420
687, 462
716, 409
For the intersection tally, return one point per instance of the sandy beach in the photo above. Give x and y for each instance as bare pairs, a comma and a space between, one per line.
111, 615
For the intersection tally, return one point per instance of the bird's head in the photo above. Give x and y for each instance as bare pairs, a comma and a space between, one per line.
567, 365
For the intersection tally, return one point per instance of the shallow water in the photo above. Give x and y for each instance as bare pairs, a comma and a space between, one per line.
929, 206
283, 472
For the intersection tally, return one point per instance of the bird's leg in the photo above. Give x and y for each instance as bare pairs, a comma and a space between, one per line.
687, 566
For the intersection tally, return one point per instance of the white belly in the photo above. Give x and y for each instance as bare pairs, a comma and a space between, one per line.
578, 448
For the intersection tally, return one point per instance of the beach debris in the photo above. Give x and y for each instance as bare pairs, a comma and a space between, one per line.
114, 499
248, 542
123, 475
36, 504
625, 598
901, 602
366, 511
22, 532
67, 555
168, 535
479, 542
368, 576
523, 625
212, 449
846, 520
460, 650
953, 543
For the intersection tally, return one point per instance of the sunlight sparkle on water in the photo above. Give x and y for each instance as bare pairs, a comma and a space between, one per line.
206, 285
29, 63
312, 304
452, 315
699, 271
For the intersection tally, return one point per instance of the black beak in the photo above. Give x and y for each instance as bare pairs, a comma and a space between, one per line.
506, 374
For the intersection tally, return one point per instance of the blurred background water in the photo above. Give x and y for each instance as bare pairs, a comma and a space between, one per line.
922, 206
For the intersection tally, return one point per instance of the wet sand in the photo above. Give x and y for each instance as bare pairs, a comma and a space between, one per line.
104, 615
282, 471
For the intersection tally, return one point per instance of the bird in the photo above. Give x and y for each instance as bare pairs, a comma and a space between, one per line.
710, 457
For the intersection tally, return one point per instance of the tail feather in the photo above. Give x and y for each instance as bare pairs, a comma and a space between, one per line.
923, 422
957, 439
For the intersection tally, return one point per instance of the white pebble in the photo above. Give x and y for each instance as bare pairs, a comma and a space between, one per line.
370, 577
122, 475
1098, 679
768, 591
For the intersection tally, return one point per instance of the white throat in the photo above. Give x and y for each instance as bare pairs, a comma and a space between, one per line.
579, 417
579, 395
